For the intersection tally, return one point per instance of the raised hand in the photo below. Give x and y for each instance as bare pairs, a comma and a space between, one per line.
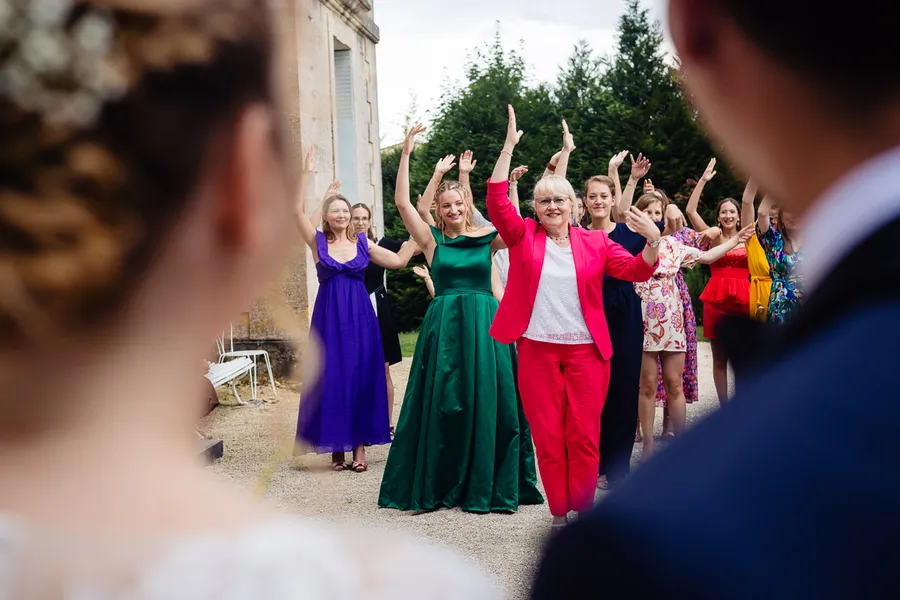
466, 163
713, 233
444, 165
673, 212
617, 160
513, 134
333, 189
421, 271
710, 171
517, 173
746, 233
648, 186
641, 224
410, 143
674, 217
568, 138
639, 167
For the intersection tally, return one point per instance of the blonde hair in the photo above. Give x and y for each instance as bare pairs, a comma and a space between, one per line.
453, 186
326, 228
554, 185
653, 197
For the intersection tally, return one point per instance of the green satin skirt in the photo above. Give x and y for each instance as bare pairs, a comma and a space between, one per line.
462, 438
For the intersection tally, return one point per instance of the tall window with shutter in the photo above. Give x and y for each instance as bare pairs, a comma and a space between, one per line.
345, 121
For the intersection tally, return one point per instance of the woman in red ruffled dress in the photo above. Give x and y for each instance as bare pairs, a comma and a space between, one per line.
728, 290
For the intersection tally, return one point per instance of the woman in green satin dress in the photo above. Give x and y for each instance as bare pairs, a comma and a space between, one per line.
462, 439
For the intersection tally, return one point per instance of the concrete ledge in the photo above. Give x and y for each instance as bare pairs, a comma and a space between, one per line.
212, 450
357, 14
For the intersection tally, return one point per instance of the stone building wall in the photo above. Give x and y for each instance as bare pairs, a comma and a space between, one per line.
327, 62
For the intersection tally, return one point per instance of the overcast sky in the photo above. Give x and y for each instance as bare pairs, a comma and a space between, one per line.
424, 42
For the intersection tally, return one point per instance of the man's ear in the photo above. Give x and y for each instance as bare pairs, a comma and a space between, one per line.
694, 27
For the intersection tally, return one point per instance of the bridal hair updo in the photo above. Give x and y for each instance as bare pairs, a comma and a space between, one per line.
109, 111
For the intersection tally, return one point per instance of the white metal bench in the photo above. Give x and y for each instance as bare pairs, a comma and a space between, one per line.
230, 371
254, 354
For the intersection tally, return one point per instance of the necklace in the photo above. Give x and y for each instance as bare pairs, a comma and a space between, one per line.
559, 238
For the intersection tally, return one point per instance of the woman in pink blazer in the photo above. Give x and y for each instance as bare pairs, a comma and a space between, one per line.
553, 309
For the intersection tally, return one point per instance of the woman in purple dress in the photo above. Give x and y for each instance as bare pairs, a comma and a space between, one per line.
345, 407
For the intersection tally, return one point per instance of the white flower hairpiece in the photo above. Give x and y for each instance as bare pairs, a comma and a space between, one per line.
54, 67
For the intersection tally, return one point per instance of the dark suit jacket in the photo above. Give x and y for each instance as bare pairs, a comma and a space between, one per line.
791, 491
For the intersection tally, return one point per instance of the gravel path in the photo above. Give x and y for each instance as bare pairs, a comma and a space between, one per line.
258, 456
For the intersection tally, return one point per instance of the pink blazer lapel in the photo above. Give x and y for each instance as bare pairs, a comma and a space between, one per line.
578, 253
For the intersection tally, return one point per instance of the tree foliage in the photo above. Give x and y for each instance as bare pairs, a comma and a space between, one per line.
631, 100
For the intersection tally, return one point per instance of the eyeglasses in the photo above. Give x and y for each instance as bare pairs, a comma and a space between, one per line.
546, 202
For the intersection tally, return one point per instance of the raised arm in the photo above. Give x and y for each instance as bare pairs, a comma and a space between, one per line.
748, 210
639, 169
694, 201
714, 254
496, 284
514, 186
568, 147
644, 225
423, 273
508, 222
614, 163
333, 190
306, 228
551, 166
426, 203
392, 260
763, 218
414, 223
466, 166
619, 261
673, 220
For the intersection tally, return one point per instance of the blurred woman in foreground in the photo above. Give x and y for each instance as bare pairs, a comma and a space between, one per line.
144, 200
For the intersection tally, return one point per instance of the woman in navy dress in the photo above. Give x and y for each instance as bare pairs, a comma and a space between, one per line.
376, 286
626, 331
345, 408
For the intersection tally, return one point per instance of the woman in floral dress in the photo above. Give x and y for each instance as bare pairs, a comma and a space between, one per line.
664, 330
694, 239
781, 243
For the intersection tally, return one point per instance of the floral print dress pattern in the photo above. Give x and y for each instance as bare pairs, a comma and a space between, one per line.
688, 237
787, 287
661, 305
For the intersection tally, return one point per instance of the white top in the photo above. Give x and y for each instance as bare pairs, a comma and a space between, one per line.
556, 317
478, 219
854, 208
501, 261
284, 558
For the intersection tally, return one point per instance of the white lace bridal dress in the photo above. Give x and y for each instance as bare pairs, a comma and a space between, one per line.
285, 558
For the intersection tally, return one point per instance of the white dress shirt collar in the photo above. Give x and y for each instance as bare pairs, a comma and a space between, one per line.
854, 208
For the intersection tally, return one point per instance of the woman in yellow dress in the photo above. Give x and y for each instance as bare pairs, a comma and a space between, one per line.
760, 276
